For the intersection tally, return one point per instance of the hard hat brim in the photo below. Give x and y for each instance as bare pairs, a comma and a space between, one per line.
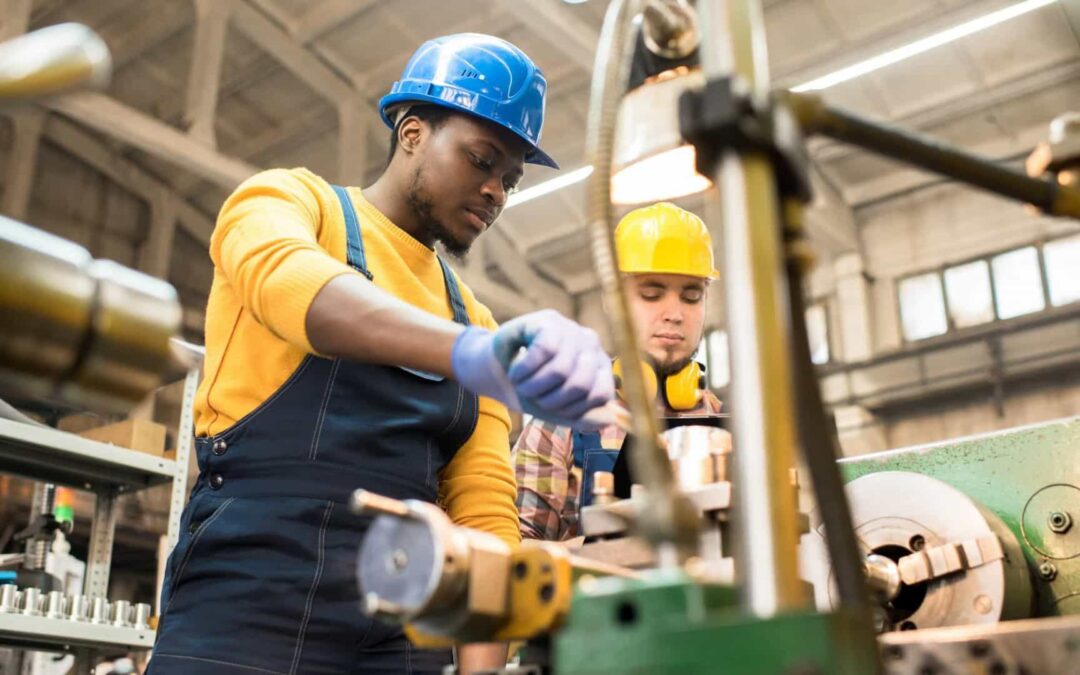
534, 155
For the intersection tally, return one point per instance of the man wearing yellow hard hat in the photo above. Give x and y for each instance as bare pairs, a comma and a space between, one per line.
666, 255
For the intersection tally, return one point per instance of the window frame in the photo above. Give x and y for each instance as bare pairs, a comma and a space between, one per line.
950, 324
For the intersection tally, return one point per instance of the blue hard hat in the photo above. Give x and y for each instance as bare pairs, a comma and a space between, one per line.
480, 75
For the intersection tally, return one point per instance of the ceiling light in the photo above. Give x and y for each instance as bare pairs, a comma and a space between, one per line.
824, 82
920, 46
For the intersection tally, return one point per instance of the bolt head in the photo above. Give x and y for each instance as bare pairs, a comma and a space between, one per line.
1047, 571
1059, 522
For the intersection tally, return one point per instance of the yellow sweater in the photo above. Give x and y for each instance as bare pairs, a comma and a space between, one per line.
279, 239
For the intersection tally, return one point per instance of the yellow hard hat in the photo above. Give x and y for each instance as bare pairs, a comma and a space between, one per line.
664, 239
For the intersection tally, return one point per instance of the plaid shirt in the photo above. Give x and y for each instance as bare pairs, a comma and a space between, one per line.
549, 483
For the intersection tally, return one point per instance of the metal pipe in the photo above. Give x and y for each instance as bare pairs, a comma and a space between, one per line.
86, 332
817, 438
882, 576
758, 310
52, 61
668, 521
815, 116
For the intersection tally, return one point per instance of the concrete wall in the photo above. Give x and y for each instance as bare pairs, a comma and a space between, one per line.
926, 230
935, 227
1027, 403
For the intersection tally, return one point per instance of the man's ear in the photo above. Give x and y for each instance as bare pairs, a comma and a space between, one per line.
410, 132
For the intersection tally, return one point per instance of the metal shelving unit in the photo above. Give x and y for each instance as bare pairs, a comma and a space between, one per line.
53, 456
42, 633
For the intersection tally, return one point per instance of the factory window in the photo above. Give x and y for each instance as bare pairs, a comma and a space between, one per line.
969, 294
817, 332
1062, 259
922, 306
715, 356
1018, 285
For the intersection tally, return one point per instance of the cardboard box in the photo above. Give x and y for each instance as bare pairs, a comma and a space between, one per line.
142, 435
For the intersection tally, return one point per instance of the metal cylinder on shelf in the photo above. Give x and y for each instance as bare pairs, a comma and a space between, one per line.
100, 611
31, 602
121, 614
54, 605
78, 608
9, 599
142, 615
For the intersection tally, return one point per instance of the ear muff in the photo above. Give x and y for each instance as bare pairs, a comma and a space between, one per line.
651, 384
681, 390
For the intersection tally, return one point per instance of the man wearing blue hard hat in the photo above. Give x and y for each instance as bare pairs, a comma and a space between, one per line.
343, 353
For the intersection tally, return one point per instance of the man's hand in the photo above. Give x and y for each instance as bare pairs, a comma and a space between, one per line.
541, 363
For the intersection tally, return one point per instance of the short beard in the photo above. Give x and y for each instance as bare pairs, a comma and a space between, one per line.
423, 206
668, 369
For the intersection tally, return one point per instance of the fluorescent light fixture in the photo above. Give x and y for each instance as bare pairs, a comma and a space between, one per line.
528, 194
842, 75
924, 45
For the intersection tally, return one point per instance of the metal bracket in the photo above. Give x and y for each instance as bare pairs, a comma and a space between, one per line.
184, 438
99, 558
723, 116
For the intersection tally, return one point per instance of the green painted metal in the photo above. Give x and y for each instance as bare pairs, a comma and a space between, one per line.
1029, 477
667, 624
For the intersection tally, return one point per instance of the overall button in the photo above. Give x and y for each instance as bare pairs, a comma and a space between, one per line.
219, 447
216, 481
194, 526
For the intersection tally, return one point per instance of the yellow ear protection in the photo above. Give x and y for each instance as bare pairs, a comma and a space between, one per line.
681, 390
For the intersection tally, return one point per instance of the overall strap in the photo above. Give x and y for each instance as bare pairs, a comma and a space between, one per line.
581, 442
460, 314
355, 242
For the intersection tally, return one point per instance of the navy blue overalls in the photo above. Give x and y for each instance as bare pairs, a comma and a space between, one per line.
590, 456
263, 578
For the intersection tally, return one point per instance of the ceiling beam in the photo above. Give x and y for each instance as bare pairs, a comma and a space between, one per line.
1071, 9
14, 17
114, 119
562, 27
159, 26
155, 255
204, 78
353, 122
499, 22
27, 126
278, 43
325, 16
76, 141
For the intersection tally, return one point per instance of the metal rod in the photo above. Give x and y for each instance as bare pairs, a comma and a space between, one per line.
817, 438
367, 503
815, 116
668, 521
757, 317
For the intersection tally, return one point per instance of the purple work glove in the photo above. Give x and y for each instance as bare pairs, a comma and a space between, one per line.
541, 363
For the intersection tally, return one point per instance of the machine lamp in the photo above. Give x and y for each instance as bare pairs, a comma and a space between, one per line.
652, 162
